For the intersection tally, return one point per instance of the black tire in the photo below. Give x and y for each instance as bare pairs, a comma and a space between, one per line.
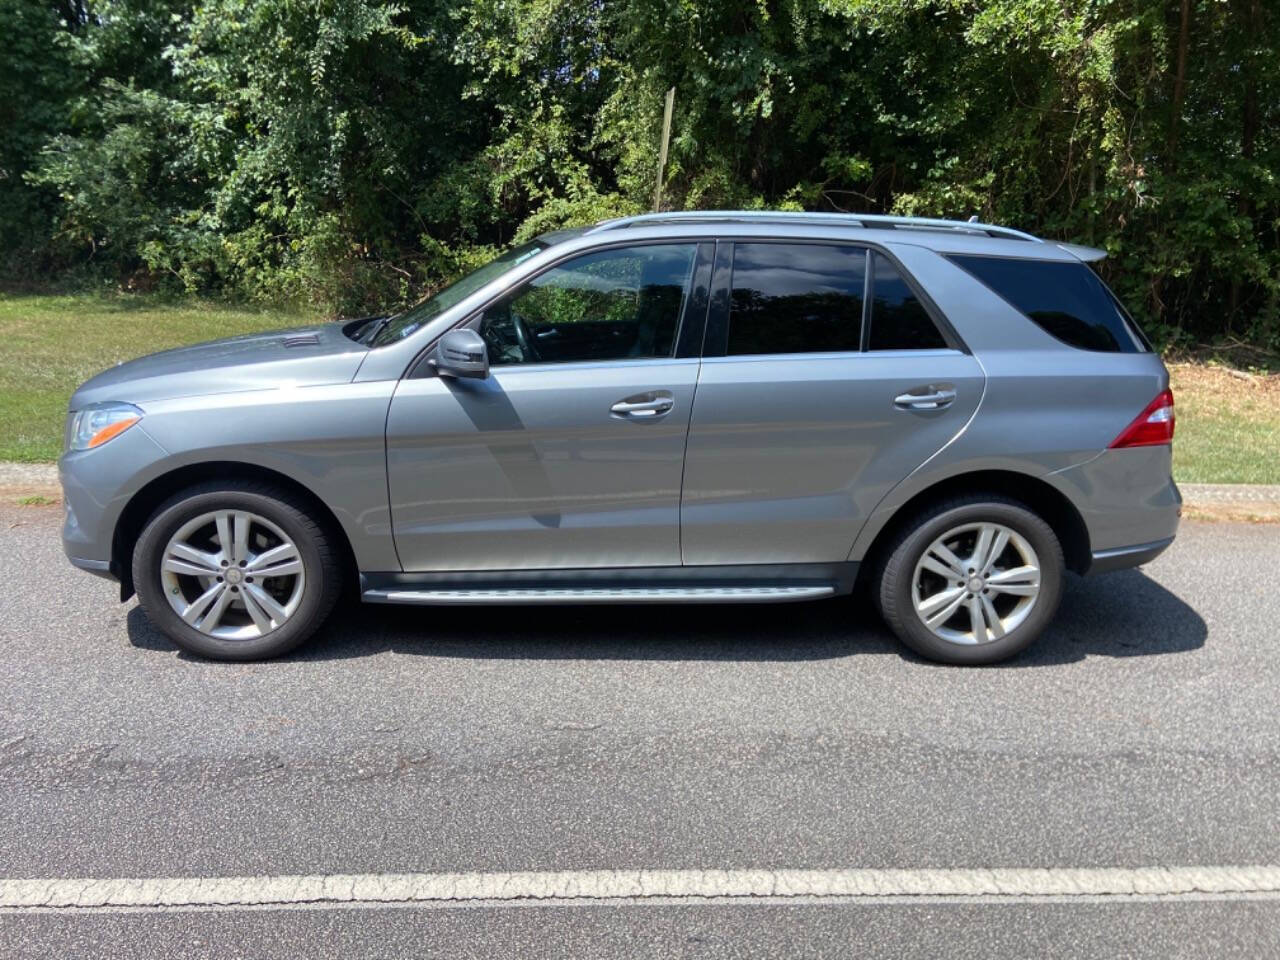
894, 594
321, 567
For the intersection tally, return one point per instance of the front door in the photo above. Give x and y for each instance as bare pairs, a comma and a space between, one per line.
831, 384
570, 454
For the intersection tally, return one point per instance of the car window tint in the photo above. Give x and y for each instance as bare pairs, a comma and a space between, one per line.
899, 320
796, 298
609, 305
1066, 300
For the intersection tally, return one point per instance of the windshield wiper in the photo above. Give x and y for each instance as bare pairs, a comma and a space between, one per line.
376, 327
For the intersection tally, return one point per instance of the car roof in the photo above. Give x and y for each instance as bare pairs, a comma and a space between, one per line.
944, 236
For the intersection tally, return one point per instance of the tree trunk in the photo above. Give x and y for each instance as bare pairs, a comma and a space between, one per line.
1249, 122
1179, 82
1249, 133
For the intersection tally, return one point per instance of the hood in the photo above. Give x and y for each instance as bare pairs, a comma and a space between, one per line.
306, 356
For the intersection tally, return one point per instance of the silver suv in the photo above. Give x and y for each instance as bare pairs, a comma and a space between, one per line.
684, 408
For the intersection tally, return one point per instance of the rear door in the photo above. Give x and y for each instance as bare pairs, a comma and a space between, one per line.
826, 379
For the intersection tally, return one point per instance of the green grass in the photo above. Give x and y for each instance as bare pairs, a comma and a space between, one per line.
1228, 424
51, 344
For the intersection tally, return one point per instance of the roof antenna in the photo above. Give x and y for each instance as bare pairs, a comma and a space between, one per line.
974, 218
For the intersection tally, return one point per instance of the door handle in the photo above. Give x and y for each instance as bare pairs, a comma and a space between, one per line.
638, 408
934, 397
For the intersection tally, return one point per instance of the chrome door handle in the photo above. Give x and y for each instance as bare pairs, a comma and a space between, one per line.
936, 399
638, 409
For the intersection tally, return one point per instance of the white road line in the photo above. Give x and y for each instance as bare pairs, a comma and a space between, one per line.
577, 886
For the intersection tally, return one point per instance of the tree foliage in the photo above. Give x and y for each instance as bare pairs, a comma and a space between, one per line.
358, 152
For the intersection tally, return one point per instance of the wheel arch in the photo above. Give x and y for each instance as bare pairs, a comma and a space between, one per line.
1038, 495
144, 502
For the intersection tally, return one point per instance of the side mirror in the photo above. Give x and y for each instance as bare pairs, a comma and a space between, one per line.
461, 353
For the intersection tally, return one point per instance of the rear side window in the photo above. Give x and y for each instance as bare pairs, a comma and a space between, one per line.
1066, 300
796, 298
899, 320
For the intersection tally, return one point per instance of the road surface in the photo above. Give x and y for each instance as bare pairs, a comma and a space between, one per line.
675, 781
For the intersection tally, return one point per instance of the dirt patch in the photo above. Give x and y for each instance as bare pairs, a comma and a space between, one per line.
31, 496
1228, 424
1233, 512
1219, 390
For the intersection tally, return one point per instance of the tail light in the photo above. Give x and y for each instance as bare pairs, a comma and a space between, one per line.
1154, 425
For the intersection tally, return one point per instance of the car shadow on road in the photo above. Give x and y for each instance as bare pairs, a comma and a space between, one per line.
1121, 614
1124, 614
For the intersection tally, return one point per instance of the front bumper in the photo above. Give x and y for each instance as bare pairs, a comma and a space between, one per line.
100, 568
96, 486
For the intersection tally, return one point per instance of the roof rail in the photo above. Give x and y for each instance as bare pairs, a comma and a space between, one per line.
865, 220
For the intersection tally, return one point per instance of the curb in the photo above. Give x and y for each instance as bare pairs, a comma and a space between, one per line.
28, 474
1220, 493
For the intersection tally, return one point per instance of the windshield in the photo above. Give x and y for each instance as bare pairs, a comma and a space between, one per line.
402, 325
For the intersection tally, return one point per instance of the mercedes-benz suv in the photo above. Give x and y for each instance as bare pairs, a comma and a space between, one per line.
677, 408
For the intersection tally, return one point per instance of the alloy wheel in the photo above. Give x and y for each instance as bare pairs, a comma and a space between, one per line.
232, 574
976, 583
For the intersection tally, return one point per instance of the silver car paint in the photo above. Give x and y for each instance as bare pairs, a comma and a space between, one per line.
327, 438
318, 414
256, 361
96, 486
788, 455
530, 469
1050, 411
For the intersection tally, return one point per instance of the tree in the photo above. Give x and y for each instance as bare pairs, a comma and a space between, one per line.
355, 152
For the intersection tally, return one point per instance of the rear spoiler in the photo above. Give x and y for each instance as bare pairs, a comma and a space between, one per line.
1087, 254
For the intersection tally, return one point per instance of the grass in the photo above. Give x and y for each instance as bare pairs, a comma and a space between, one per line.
1228, 421
1228, 427
36, 500
51, 344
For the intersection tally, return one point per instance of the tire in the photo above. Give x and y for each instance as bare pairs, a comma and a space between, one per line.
1011, 617
303, 583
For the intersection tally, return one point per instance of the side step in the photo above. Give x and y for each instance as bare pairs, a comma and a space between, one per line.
746, 593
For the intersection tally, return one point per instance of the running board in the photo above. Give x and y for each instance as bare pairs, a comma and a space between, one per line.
746, 593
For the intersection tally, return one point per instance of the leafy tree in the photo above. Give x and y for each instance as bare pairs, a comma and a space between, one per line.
356, 152
36, 84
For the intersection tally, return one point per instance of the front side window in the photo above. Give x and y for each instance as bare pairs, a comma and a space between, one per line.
796, 298
899, 320
1066, 300
617, 304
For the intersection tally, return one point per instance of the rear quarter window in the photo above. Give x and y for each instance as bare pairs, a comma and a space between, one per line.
1066, 300
899, 320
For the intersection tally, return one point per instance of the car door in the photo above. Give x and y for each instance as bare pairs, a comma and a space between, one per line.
826, 381
570, 453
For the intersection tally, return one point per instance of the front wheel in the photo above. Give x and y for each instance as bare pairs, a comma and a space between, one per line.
236, 571
972, 581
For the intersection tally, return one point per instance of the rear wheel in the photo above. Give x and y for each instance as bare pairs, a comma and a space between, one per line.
236, 571
972, 581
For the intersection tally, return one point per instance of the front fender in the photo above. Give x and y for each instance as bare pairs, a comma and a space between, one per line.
329, 440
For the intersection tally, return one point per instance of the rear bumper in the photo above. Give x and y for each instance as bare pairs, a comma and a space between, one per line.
1119, 558
1128, 501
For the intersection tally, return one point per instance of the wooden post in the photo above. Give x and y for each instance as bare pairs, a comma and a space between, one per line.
662, 150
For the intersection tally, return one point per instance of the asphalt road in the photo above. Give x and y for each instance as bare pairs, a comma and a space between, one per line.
1143, 730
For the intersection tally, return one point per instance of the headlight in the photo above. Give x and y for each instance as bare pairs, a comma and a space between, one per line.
94, 426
